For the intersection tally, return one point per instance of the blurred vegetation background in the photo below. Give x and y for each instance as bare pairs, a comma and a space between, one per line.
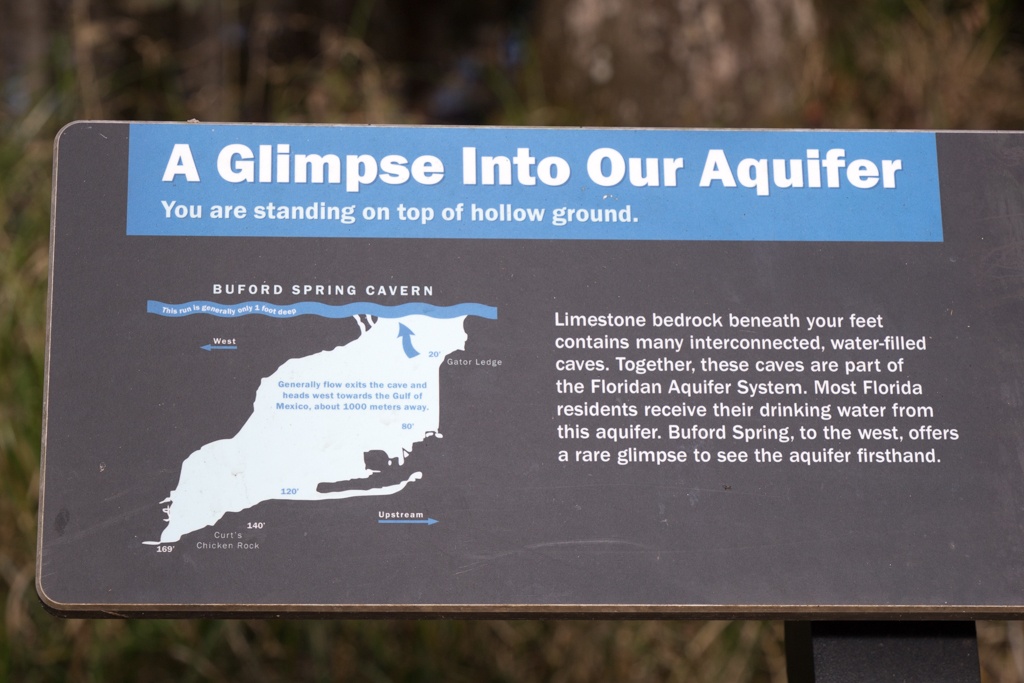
740, 63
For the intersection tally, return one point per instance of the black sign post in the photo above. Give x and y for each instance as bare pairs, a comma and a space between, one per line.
905, 651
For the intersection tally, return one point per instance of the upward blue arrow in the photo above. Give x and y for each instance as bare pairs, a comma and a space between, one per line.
405, 333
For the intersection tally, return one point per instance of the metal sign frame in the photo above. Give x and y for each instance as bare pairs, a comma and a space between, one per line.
372, 370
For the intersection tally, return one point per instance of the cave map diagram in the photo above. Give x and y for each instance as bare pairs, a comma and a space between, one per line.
315, 417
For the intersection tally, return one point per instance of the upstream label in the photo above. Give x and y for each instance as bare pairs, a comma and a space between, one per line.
539, 184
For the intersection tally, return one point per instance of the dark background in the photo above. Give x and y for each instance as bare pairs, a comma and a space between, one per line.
518, 528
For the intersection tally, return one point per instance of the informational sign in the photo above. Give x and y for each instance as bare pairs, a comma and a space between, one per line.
382, 370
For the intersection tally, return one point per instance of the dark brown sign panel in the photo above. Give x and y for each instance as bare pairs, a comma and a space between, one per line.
300, 369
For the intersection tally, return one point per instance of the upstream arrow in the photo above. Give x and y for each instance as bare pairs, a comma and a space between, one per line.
405, 333
429, 521
218, 347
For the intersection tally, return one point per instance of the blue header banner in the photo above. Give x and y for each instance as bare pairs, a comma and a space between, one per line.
538, 184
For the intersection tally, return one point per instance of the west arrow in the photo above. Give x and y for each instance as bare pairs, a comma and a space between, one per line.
218, 347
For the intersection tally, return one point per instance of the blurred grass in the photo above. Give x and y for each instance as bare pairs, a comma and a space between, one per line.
24, 214
922, 66
453, 651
